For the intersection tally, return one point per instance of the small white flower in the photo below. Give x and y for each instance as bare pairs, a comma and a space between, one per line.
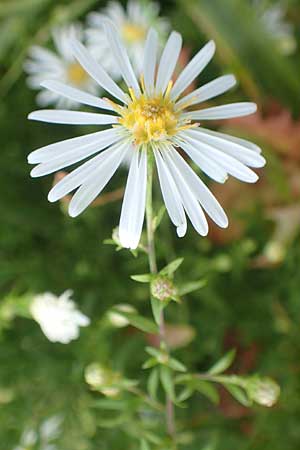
152, 121
133, 24
60, 65
273, 18
58, 317
49, 431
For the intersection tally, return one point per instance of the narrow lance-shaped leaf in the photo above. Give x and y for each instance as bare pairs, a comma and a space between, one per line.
223, 363
172, 267
167, 382
152, 384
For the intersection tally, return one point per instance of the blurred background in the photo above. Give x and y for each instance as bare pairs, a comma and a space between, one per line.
251, 300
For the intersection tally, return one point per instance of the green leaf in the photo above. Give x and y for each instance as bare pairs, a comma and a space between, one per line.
142, 323
176, 365
172, 267
192, 286
144, 445
152, 385
153, 352
144, 278
151, 362
223, 363
208, 389
239, 394
186, 393
157, 307
167, 382
158, 218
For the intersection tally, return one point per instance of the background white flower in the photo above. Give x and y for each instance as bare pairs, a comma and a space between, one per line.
274, 19
59, 65
58, 317
151, 122
42, 438
133, 24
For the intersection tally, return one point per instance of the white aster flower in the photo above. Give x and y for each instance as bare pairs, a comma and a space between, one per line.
133, 24
58, 317
49, 430
60, 65
273, 18
151, 122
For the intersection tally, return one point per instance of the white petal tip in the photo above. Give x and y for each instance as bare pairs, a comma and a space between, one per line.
224, 224
128, 240
31, 116
181, 230
52, 198
261, 162
34, 173
253, 179
31, 159
73, 214
252, 108
212, 45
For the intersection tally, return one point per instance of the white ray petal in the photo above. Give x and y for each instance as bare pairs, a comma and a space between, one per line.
133, 207
121, 56
170, 195
93, 186
223, 112
78, 176
228, 163
76, 95
43, 55
149, 63
207, 165
49, 152
96, 71
241, 153
72, 157
193, 69
188, 198
234, 139
202, 193
208, 91
72, 117
168, 61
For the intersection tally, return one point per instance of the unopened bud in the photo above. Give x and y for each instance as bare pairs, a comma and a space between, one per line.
162, 288
102, 379
275, 252
263, 391
116, 318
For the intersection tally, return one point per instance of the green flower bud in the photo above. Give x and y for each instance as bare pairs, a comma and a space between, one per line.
102, 379
162, 288
116, 318
263, 391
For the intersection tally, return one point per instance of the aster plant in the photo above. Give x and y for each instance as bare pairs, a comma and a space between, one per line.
153, 122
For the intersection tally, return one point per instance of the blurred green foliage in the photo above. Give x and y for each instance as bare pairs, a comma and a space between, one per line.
255, 308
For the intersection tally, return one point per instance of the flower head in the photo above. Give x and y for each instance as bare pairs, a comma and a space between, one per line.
133, 23
59, 65
273, 19
58, 317
151, 120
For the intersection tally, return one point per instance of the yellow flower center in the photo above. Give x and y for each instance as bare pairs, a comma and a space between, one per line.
150, 118
77, 75
133, 33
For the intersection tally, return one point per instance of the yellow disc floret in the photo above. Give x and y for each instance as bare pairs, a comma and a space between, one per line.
77, 75
133, 33
150, 118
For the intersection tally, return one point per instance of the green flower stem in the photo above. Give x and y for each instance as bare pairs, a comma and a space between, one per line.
170, 415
